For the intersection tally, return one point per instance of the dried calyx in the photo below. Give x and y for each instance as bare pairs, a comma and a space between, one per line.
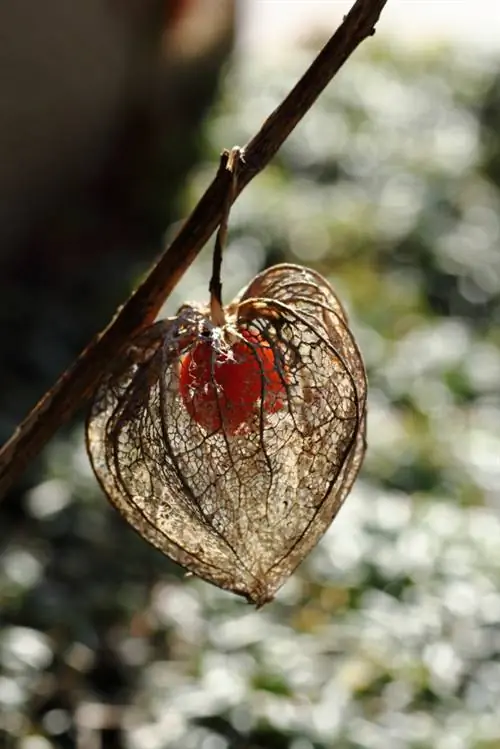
231, 444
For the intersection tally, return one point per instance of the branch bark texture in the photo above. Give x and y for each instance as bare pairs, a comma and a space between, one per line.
77, 383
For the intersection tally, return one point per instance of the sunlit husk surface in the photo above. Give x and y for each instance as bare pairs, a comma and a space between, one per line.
239, 510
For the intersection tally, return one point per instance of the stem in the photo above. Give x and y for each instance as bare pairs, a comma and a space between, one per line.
232, 160
78, 382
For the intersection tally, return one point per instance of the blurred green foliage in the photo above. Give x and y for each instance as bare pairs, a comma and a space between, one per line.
389, 634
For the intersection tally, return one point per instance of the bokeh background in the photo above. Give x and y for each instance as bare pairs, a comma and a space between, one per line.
112, 116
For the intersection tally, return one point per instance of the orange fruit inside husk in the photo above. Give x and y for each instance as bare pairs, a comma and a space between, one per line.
224, 388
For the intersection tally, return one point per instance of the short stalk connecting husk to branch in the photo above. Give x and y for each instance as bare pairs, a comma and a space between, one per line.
77, 384
232, 160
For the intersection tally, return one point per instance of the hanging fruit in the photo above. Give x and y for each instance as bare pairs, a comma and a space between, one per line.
231, 445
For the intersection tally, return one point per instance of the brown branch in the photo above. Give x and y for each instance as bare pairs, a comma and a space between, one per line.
77, 384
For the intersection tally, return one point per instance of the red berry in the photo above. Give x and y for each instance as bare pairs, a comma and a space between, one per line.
224, 388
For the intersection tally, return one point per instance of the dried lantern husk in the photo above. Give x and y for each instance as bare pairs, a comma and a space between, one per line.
239, 505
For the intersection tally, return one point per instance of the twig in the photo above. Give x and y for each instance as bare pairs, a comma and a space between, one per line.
77, 384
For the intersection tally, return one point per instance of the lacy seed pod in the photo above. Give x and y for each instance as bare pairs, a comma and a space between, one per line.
231, 448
